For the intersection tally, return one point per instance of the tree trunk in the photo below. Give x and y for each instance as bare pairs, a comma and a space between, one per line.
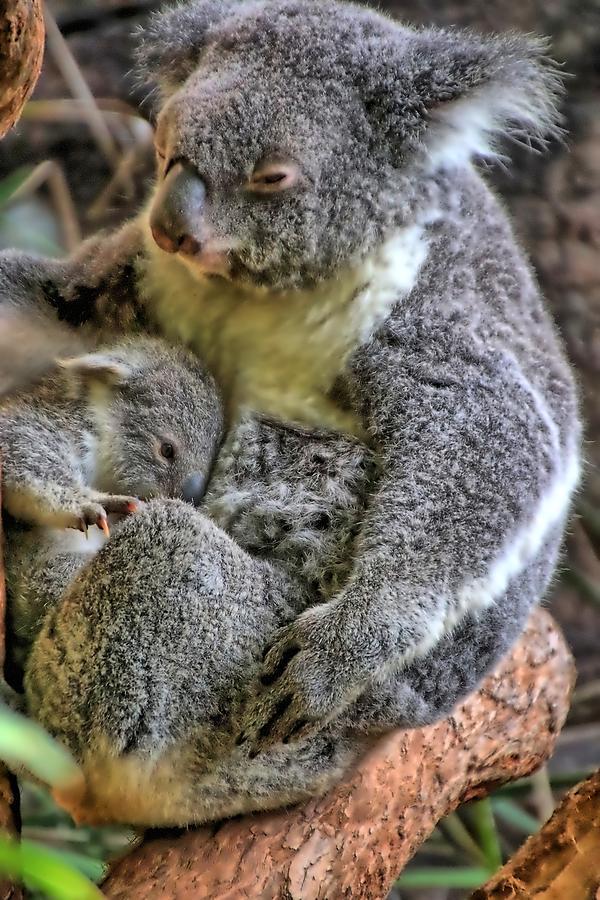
21, 52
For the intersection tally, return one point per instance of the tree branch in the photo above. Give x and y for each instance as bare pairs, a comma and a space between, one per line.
21, 52
562, 860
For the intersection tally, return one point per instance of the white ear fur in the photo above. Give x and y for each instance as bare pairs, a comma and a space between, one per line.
519, 102
95, 368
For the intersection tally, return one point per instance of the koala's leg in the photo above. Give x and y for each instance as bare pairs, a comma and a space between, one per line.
138, 667
431, 686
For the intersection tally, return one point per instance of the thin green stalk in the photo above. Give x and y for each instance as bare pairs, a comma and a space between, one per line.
454, 828
466, 878
481, 815
514, 815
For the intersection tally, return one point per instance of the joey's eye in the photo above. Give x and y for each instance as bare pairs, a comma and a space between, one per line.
272, 178
269, 178
167, 450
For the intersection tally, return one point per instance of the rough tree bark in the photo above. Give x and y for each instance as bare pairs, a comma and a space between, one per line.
560, 862
353, 842
21, 52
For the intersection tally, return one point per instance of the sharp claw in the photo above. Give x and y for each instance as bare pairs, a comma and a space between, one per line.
296, 731
269, 678
102, 524
132, 506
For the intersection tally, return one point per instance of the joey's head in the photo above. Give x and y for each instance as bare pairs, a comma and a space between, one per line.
157, 414
294, 135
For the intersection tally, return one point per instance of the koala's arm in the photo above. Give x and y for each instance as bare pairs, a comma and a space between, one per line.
44, 482
478, 447
40, 298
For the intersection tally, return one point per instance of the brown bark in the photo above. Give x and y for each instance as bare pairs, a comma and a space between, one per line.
21, 52
353, 842
562, 860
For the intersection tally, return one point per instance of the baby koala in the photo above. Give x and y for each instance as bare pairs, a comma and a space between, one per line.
293, 496
140, 419
143, 667
167, 627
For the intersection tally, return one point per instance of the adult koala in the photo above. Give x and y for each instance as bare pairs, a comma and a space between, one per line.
319, 236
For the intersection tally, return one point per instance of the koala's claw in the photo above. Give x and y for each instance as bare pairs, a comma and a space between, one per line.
95, 511
123, 506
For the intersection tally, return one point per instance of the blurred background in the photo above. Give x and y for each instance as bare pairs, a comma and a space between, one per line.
81, 159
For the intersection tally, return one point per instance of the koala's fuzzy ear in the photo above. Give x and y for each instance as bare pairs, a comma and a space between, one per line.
171, 43
95, 369
455, 92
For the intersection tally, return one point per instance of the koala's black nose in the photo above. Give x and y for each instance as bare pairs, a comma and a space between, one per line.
193, 488
176, 213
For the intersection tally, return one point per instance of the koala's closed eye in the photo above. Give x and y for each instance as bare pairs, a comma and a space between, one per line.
273, 176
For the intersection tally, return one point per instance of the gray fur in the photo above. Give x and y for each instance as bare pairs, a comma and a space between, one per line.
85, 443
459, 386
94, 430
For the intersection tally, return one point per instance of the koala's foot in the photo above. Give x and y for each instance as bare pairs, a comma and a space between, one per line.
303, 683
71, 795
96, 511
88, 508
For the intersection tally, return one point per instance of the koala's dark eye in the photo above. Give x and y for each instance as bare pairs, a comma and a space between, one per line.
167, 450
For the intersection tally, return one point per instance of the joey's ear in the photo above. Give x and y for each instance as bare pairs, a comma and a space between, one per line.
453, 93
95, 369
171, 43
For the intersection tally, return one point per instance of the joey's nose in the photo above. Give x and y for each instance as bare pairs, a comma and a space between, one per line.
193, 488
176, 213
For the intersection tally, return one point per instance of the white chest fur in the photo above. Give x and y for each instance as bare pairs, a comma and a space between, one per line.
281, 353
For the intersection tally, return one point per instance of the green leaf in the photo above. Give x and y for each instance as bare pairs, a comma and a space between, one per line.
515, 815
466, 878
24, 743
481, 815
13, 182
94, 869
456, 830
40, 869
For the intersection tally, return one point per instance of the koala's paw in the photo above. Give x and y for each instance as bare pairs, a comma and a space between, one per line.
93, 508
303, 683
